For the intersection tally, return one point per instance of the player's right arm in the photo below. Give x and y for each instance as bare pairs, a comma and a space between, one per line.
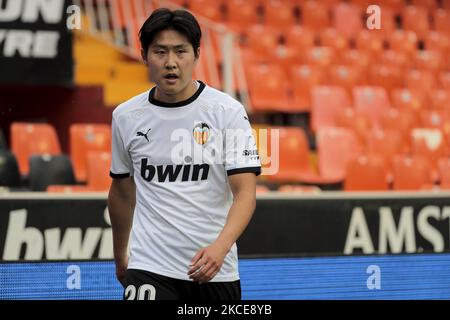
121, 202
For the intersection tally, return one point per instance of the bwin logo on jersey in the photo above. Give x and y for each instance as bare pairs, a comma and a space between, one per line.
171, 172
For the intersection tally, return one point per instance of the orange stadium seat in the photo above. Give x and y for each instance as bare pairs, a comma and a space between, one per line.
347, 19
444, 173
415, 19
439, 42
434, 118
409, 99
366, 173
208, 9
331, 38
98, 166
386, 143
442, 21
426, 4
370, 42
411, 173
299, 38
420, 80
403, 41
327, 103
401, 120
85, 138
387, 20
262, 39
356, 59
320, 56
294, 156
356, 121
444, 78
241, 14
29, 139
388, 77
440, 99
304, 78
428, 60
268, 88
346, 76
287, 188
279, 14
372, 101
394, 58
315, 15
336, 146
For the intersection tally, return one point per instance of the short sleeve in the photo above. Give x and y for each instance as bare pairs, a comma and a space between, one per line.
241, 154
121, 165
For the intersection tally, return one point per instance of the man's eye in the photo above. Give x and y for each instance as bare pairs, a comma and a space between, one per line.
181, 51
160, 52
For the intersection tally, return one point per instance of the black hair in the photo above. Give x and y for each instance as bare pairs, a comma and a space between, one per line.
164, 19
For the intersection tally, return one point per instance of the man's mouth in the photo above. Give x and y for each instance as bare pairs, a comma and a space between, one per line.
171, 76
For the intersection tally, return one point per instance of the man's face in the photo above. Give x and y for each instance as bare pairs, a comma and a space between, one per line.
171, 61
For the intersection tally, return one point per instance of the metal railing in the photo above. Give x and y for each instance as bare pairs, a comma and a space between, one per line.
118, 22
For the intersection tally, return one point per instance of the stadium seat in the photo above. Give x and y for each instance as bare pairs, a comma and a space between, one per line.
430, 5
9, 170
299, 38
394, 59
403, 41
336, 146
366, 173
415, 19
331, 38
327, 103
260, 189
372, 101
444, 78
209, 9
241, 14
401, 120
386, 76
420, 80
440, 100
433, 118
442, 21
279, 14
294, 156
304, 78
98, 166
262, 39
346, 76
83, 139
347, 19
411, 173
50, 170
356, 121
438, 42
408, 99
356, 58
319, 56
430, 144
428, 60
315, 15
386, 143
370, 42
444, 173
29, 139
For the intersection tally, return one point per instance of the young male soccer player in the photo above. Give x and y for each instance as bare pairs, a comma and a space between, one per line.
184, 206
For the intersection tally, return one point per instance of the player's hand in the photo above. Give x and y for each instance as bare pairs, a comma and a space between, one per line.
121, 270
207, 263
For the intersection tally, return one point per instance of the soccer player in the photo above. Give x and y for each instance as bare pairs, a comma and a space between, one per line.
184, 167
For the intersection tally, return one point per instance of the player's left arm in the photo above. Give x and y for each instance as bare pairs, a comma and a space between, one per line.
208, 261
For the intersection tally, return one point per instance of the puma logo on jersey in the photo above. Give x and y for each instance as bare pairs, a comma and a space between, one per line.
171, 172
140, 134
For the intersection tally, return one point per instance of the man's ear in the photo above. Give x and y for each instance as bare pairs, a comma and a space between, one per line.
144, 56
198, 54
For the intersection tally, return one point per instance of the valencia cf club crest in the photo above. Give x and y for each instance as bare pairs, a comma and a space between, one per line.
201, 133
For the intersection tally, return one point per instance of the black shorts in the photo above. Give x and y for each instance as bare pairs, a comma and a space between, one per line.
144, 285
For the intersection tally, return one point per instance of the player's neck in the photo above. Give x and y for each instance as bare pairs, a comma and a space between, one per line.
185, 94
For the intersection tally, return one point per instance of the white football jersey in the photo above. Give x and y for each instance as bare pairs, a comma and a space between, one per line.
180, 155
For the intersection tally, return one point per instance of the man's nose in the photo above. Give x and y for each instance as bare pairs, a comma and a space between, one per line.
171, 62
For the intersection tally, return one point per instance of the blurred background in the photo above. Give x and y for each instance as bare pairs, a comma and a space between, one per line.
358, 90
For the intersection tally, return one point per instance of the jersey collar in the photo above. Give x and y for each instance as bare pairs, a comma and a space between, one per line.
152, 100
